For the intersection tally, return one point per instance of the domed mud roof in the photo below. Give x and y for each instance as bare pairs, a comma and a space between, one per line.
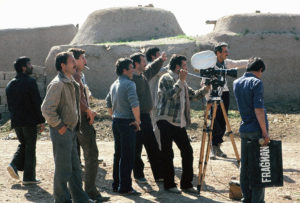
127, 24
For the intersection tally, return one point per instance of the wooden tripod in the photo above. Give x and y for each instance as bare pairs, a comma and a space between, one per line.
209, 129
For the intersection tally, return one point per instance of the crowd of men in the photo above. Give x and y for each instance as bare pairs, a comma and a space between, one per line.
150, 107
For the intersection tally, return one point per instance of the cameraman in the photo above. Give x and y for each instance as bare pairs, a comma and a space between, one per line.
221, 51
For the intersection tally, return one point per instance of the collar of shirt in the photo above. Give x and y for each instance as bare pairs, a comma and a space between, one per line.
220, 64
65, 79
19, 75
79, 73
248, 74
137, 74
173, 75
123, 77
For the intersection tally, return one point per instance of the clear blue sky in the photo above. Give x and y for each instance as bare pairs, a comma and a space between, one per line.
191, 14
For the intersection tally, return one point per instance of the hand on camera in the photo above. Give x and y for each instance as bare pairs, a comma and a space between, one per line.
207, 88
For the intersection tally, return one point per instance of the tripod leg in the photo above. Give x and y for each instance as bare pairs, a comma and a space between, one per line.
230, 133
208, 145
205, 126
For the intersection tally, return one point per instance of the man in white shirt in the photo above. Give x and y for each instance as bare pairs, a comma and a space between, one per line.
221, 51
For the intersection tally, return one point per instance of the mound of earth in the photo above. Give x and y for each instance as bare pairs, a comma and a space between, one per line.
127, 24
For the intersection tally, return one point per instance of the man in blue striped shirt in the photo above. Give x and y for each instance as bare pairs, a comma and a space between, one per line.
123, 105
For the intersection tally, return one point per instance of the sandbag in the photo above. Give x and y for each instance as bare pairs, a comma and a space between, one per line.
235, 191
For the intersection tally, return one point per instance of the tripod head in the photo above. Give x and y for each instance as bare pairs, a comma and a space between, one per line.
217, 88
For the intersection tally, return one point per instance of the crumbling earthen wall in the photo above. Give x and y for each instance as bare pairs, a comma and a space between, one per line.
101, 60
32, 42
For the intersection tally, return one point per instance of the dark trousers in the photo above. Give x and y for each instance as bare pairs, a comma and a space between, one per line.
124, 156
87, 139
168, 133
67, 168
147, 138
219, 123
24, 159
250, 194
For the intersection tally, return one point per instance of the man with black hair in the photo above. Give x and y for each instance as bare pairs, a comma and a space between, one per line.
152, 53
248, 91
123, 105
173, 112
24, 105
87, 135
141, 76
61, 109
219, 128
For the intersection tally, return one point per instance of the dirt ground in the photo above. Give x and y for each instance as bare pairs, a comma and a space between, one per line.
219, 173
284, 125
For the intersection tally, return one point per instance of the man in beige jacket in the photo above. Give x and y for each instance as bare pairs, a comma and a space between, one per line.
61, 110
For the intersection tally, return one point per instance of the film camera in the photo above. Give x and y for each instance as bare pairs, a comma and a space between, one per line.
205, 63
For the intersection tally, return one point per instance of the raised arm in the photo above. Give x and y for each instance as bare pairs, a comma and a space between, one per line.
239, 64
198, 94
154, 68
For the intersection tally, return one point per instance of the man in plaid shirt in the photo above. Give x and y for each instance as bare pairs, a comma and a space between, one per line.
173, 112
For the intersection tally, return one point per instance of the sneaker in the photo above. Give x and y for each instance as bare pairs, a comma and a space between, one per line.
30, 182
220, 153
99, 198
141, 180
174, 190
213, 153
131, 192
13, 172
191, 190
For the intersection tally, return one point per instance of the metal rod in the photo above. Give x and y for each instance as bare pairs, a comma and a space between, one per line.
191, 74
